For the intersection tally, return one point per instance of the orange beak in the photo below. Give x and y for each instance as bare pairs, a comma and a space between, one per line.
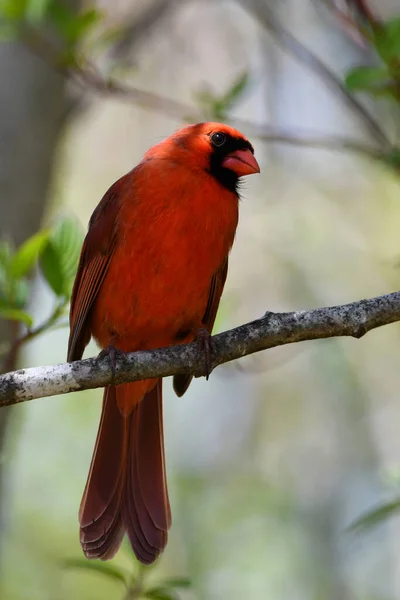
241, 162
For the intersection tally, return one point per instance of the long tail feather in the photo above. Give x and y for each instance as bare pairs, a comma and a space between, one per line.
126, 489
146, 511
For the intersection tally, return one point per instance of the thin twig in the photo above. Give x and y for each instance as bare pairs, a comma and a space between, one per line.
274, 329
289, 43
135, 589
11, 357
311, 140
87, 76
29, 335
133, 32
362, 8
266, 133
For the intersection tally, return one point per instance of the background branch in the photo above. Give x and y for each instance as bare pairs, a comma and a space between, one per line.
289, 43
364, 11
266, 133
87, 76
151, 15
274, 329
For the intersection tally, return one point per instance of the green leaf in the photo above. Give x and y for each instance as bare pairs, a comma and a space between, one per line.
86, 21
15, 314
20, 290
237, 89
70, 25
27, 254
6, 252
37, 10
14, 10
389, 91
226, 102
59, 259
365, 78
110, 36
177, 582
62, 17
217, 107
393, 158
107, 569
160, 593
51, 266
387, 40
375, 516
8, 31
165, 591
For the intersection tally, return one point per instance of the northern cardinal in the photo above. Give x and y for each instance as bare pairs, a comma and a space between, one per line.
151, 273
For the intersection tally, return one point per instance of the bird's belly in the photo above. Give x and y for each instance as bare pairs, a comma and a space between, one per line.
153, 303
159, 277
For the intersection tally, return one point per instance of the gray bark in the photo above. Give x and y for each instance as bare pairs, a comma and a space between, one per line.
274, 329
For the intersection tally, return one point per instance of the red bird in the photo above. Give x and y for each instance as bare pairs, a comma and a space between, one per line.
151, 274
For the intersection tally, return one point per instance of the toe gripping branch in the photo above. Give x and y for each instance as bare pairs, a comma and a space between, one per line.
205, 348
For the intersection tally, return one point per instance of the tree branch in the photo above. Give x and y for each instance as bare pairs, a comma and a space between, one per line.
274, 329
308, 139
288, 42
266, 133
87, 76
133, 32
364, 11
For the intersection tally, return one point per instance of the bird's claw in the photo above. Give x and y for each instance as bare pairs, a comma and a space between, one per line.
112, 353
205, 347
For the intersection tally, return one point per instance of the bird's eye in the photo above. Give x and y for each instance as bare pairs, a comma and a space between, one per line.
218, 138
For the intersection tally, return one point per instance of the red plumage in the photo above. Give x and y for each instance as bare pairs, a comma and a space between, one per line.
151, 274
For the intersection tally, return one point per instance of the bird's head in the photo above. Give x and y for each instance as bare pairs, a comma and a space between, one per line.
219, 149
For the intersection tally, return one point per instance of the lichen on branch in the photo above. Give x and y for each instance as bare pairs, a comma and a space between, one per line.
273, 329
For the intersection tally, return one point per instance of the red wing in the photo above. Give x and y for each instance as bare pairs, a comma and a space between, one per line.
96, 254
182, 382
217, 287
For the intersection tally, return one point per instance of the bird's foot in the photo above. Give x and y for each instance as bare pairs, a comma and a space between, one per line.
205, 347
112, 353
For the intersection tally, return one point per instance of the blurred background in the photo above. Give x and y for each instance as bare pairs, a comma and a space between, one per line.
272, 459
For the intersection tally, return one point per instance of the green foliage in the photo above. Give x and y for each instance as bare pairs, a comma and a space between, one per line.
134, 582
26, 256
383, 80
37, 10
376, 81
55, 16
177, 582
366, 78
167, 589
21, 291
107, 569
57, 250
160, 593
14, 288
59, 259
392, 158
6, 251
14, 10
375, 516
70, 26
16, 314
387, 40
217, 106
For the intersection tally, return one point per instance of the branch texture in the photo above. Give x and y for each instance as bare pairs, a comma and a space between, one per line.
274, 329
